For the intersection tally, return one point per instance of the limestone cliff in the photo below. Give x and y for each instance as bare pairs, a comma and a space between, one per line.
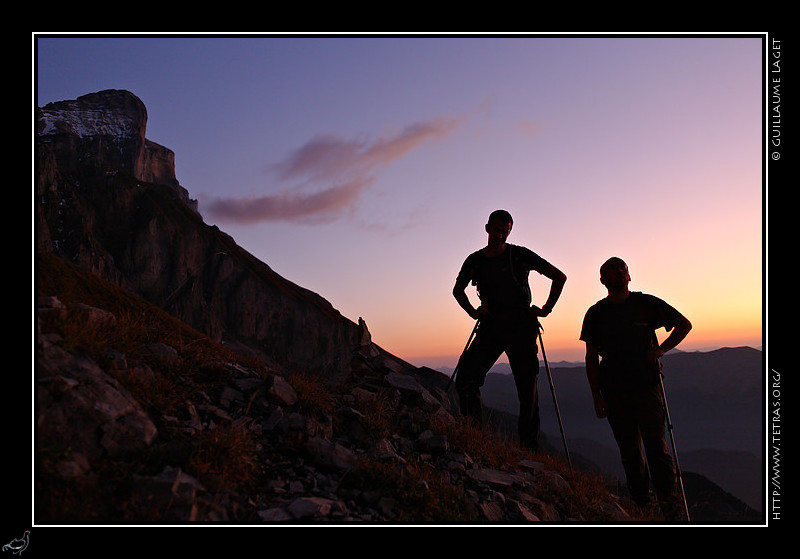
108, 200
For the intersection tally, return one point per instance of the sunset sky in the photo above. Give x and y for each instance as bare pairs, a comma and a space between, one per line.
364, 168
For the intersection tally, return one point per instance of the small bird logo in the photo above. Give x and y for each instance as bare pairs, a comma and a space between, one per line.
18, 545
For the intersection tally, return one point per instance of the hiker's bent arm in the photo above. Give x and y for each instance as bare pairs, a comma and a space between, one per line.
558, 279
460, 294
681, 330
592, 374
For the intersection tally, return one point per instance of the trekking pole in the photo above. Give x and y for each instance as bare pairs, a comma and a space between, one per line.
672, 439
553, 392
469, 341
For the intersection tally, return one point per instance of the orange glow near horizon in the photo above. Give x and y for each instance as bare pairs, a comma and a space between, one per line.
737, 321
440, 347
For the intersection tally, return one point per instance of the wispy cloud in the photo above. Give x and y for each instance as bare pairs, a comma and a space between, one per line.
530, 128
289, 205
329, 174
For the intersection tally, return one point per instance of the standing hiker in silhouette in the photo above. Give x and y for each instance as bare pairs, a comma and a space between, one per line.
626, 384
508, 322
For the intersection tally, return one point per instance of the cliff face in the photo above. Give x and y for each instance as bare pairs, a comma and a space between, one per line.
106, 128
108, 200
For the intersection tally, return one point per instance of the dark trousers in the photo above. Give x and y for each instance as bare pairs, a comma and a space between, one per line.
515, 335
637, 420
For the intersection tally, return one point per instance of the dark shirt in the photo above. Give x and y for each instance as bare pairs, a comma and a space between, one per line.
502, 280
623, 334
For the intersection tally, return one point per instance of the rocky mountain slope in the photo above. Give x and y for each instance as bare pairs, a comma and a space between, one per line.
134, 430
180, 379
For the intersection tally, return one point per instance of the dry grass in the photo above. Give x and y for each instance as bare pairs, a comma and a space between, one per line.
490, 449
314, 398
225, 457
416, 493
378, 416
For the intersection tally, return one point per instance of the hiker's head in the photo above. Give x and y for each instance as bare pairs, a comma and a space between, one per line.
614, 273
499, 226
501, 215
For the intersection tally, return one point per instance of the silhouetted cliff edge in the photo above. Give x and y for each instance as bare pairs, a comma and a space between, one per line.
108, 200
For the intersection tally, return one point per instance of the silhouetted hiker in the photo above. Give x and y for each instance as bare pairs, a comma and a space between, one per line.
626, 384
508, 322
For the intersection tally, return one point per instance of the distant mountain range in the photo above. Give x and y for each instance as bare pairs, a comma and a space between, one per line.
715, 399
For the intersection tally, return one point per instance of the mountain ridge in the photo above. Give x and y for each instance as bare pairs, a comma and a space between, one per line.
714, 404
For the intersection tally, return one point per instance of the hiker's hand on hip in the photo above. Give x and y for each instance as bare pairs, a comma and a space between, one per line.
480, 312
537, 312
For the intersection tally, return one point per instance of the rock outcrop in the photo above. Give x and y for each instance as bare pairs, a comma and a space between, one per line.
107, 129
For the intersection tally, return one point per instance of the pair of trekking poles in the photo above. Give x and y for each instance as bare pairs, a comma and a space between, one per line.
670, 427
549, 378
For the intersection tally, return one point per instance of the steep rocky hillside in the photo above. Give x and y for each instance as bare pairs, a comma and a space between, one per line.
142, 419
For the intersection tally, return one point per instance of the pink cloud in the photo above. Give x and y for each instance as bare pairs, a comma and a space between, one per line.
343, 168
324, 205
